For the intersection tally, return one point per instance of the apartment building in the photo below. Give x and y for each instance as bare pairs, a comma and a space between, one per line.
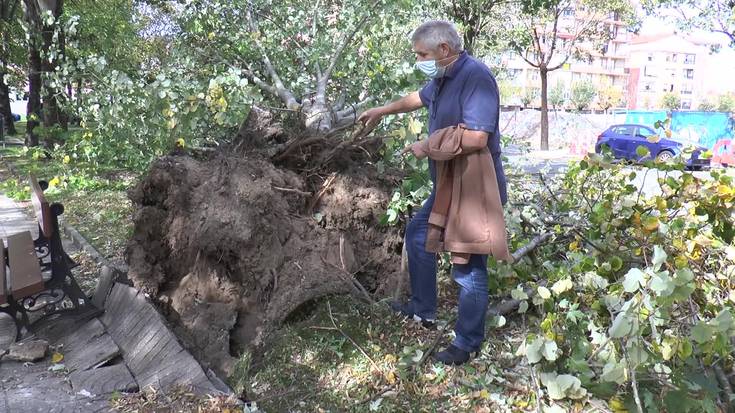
667, 62
605, 67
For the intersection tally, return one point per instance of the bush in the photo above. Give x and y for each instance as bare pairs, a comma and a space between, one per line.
583, 93
671, 101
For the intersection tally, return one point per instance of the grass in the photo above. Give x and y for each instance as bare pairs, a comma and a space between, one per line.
20, 129
370, 362
97, 207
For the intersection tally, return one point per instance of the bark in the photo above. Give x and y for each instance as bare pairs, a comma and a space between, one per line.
34, 94
51, 112
5, 112
543, 71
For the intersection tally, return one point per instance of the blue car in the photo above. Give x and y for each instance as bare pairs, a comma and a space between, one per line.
16, 117
623, 140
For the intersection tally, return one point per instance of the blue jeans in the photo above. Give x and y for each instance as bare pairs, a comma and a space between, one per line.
471, 277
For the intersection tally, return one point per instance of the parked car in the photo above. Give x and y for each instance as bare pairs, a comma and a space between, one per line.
623, 141
16, 117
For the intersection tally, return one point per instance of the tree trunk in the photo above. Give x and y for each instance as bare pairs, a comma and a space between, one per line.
51, 112
469, 40
544, 108
34, 94
5, 112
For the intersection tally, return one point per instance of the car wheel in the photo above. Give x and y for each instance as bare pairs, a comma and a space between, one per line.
664, 156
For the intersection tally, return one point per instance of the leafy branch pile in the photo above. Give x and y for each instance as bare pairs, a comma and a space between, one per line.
634, 295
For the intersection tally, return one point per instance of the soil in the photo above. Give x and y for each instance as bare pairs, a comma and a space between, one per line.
230, 243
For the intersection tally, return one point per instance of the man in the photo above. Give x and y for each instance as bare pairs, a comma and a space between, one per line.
461, 91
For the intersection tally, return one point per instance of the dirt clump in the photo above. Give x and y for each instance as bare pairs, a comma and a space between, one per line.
231, 242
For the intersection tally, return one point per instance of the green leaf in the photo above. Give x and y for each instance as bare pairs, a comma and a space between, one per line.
518, 294
659, 257
544, 293
634, 279
613, 372
616, 263
621, 326
723, 322
550, 350
523, 307
533, 350
662, 284
637, 354
562, 386
642, 151
683, 276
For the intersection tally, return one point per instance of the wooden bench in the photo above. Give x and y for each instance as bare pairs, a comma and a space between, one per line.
37, 274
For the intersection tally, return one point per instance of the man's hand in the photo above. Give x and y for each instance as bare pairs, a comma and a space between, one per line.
418, 149
371, 117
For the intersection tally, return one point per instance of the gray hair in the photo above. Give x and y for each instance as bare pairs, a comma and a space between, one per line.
435, 32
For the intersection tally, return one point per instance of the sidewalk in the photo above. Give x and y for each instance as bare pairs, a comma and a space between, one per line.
13, 220
31, 387
127, 348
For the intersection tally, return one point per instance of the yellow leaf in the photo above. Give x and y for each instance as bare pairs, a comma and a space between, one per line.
180, 143
67, 159
390, 377
55, 181
668, 133
653, 138
573, 246
724, 190
650, 224
484, 394
414, 126
617, 405
57, 357
389, 358
681, 261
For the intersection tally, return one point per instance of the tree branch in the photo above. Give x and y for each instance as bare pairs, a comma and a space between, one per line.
351, 111
280, 90
321, 89
554, 31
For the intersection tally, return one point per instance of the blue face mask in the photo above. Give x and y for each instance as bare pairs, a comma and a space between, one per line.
431, 69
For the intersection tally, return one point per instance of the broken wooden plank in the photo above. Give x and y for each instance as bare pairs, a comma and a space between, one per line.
151, 351
88, 346
104, 380
25, 271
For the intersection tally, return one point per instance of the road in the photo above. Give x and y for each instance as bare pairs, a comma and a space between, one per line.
553, 164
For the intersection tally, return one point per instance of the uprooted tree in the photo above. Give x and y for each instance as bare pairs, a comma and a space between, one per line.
289, 207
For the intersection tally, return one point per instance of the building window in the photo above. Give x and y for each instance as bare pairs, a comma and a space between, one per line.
689, 73
686, 89
650, 57
568, 12
689, 59
671, 57
648, 86
686, 104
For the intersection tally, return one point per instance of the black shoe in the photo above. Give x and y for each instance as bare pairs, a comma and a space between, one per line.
403, 310
452, 356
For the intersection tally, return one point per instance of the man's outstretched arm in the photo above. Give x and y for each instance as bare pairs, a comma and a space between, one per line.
408, 103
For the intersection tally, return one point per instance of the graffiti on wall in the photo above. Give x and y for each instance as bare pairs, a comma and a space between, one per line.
704, 128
